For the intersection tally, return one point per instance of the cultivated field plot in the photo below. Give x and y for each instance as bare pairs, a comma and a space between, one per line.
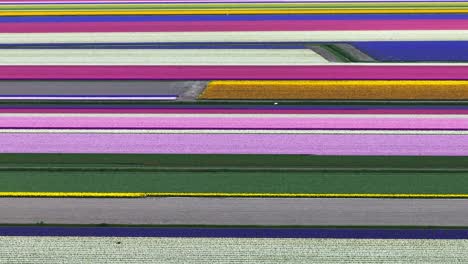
228, 250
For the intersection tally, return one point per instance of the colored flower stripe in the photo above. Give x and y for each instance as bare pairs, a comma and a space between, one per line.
315, 144
251, 18
208, 1
234, 36
88, 97
235, 12
205, 121
160, 57
263, 195
417, 51
239, 5
37, 2
223, 250
73, 194
245, 107
232, 131
360, 72
277, 109
203, 26
260, 232
157, 46
352, 90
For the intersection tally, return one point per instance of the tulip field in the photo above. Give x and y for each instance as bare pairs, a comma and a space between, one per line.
233, 131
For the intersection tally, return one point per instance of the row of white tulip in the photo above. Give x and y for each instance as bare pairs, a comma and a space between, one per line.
127, 250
